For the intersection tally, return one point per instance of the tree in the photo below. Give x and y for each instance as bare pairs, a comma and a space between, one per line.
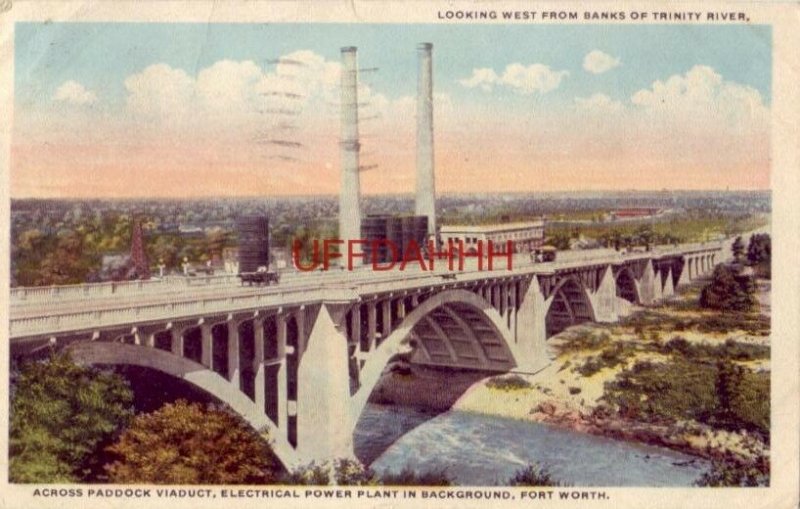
738, 249
728, 291
759, 249
69, 263
62, 415
759, 254
186, 443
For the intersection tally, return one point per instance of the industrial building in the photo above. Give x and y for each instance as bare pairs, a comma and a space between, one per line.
525, 236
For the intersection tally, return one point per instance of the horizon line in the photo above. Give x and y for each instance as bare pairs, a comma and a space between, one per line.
410, 194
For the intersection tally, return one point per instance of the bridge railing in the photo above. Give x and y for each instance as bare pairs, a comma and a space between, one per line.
109, 288
77, 321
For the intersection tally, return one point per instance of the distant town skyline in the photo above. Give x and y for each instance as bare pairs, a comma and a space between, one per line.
107, 110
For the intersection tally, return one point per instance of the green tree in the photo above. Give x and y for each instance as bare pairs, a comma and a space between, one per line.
62, 415
728, 291
186, 443
759, 249
742, 399
738, 249
68, 263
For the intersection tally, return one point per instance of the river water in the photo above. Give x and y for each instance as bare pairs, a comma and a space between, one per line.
480, 450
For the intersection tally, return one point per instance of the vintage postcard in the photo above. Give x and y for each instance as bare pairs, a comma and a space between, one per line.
399, 254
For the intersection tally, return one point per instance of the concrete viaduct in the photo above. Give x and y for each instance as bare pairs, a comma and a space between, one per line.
300, 359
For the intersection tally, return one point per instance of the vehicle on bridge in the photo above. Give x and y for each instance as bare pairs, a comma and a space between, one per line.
259, 277
544, 254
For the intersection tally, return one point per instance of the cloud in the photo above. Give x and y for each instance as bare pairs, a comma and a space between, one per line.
74, 93
701, 98
483, 78
598, 103
597, 62
235, 98
518, 77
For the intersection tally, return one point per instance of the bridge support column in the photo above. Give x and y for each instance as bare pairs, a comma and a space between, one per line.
669, 289
683, 277
282, 390
324, 423
146, 334
605, 298
177, 340
355, 326
512, 305
647, 284
531, 330
657, 287
386, 313
258, 364
207, 346
372, 325
233, 353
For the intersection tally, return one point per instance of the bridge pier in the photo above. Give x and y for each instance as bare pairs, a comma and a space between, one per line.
233, 353
324, 423
531, 330
669, 289
658, 289
646, 285
605, 298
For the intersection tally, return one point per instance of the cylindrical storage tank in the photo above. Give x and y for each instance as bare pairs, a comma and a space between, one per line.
421, 231
253, 242
408, 230
394, 234
373, 227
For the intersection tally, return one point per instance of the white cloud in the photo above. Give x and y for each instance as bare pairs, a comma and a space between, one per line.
598, 103
518, 77
235, 98
597, 62
701, 98
483, 78
159, 90
74, 93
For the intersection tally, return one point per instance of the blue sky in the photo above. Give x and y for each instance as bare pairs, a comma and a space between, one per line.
145, 108
101, 55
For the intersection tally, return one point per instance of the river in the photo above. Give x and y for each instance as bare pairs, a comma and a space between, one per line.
480, 450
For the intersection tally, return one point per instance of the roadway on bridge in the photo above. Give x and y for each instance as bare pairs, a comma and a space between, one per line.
71, 299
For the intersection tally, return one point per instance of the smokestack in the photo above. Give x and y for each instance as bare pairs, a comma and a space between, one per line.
426, 190
350, 192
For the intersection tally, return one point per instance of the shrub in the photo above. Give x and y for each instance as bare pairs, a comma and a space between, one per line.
408, 477
722, 394
533, 475
308, 475
350, 472
731, 473
508, 383
608, 358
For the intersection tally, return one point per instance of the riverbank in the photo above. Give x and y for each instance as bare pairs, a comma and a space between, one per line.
599, 379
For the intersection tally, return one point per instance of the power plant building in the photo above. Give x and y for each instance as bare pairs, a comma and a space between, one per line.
525, 236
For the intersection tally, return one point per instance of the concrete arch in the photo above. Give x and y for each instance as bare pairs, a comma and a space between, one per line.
394, 343
558, 299
92, 353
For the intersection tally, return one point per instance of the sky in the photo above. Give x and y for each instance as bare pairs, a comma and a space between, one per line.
171, 110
